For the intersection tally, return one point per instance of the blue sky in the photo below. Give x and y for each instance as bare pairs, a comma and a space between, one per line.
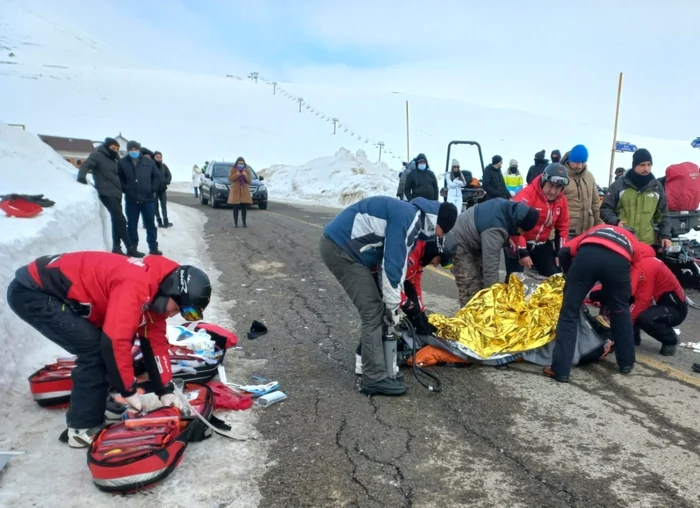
552, 57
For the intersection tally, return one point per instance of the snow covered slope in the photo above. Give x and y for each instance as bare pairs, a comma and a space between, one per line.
76, 222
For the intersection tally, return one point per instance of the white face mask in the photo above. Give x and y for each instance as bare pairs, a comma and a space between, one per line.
422, 166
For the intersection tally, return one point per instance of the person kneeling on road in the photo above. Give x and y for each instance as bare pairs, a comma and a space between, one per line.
93, 304
604, 253
379, 231
659, 300
534, 249
481, 233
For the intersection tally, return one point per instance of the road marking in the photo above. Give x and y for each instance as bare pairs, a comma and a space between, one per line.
643, 359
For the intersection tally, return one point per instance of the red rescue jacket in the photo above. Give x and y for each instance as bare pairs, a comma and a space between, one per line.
615, 238
553, 215
414, 272
113, 293
651, 278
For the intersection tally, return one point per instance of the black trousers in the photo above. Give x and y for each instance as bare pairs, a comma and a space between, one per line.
543, 260
244, 212
162, 200
595, 263
658, 321
75, 334
116, 213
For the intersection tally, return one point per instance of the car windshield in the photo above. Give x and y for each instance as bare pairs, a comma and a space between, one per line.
222, 171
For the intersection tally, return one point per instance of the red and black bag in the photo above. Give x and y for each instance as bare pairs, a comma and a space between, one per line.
52, 384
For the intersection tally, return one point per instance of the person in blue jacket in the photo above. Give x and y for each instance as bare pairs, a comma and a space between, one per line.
379, 231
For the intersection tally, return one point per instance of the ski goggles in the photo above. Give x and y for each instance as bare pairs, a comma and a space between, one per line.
191, 313
559, 181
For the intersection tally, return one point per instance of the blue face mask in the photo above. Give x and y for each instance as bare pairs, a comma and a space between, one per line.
422, 166
240, 166
134, 155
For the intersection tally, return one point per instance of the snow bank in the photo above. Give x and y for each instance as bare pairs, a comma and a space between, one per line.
335, 181
76, 222
215, 472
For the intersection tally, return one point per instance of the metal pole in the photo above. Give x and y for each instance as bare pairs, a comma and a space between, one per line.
614, 143
381, 145
408, 145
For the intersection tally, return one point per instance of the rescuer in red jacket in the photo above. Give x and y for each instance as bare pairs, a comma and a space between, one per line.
94, 304
659, 300
534, 249
603, 253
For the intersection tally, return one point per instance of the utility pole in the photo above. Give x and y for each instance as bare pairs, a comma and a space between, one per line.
274, 88
381, 145
254, 77
408, 144
301, 101
335, 124
614, 143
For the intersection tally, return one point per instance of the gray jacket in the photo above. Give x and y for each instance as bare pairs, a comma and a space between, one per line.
104, 171
486, 228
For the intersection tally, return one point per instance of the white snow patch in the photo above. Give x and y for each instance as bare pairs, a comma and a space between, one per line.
216, 472
335, 181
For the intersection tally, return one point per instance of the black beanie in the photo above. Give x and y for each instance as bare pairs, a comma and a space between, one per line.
133, 144
447, 216
156, 153
539, 156
496, 159
110, 141
641, 155
146, 151
530, 220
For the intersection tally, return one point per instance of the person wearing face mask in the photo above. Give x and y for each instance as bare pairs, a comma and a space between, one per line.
93, 304
513, 178
239, 193
537, 168
102, 163
581, 193
638, 200
534, 248
421, 183
140, 180
493, 182
555, 156
162, 197
455, 183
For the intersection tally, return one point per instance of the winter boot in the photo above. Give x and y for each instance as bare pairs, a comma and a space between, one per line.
155, 252
159, 221
79, 438
167, 223
668, 350
384, 387
132, 252
118, 250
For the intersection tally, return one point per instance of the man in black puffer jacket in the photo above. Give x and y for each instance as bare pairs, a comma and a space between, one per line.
102, 163
162, 198
538, 167
140, 180
493, 182
421, 182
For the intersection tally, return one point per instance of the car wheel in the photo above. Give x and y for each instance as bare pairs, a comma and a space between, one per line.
202, 199
214, 203
262, 205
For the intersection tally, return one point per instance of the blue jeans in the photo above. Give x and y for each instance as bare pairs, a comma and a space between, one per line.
147, 211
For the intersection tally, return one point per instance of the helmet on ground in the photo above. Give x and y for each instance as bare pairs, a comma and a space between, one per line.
190, 289
556, 174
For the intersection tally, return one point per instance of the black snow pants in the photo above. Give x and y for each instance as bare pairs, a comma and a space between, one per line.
162, 204
658, 321
116, 213
595, 263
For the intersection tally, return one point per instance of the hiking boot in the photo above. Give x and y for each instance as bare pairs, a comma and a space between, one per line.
132, 252
384, 387
668, 350
79, 438
155, 252
118, 250
626, 370
550, 373
114, 410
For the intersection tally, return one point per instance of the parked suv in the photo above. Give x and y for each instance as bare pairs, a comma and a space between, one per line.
214, 185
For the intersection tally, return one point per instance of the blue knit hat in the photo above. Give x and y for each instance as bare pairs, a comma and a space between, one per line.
579, 153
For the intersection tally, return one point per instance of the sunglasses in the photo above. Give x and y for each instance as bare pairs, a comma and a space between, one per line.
191, 313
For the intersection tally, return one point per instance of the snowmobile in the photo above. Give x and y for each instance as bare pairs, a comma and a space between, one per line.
684, 254
473, 193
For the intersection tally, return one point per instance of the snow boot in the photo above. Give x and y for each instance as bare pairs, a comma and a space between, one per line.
79, 438
159, 221
134, 253
118, 250
668, 350
155, 252
167, 223
384, 387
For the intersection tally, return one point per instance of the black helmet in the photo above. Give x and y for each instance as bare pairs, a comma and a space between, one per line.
189, 287
556, 174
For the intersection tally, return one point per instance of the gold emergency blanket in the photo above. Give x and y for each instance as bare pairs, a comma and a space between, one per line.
500, 320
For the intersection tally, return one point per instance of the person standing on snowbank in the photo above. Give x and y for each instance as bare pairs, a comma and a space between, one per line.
93, 304
140, 180
379, 231
162, 197
421, 183
102, 163
196, 177
239, 194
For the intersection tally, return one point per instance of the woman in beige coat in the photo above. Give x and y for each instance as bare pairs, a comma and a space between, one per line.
239, 194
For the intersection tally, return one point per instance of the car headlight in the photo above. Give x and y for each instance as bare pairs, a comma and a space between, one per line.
221, 186
262, 188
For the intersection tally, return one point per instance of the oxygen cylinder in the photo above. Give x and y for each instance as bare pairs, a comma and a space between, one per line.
390, 342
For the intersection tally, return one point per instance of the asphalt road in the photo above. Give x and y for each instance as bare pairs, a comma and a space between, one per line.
493, 437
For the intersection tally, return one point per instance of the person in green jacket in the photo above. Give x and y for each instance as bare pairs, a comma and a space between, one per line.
638, 201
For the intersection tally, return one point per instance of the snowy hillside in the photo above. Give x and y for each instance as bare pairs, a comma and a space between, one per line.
76, 222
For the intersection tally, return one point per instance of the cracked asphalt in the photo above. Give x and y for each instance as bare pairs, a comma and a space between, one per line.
493, 437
